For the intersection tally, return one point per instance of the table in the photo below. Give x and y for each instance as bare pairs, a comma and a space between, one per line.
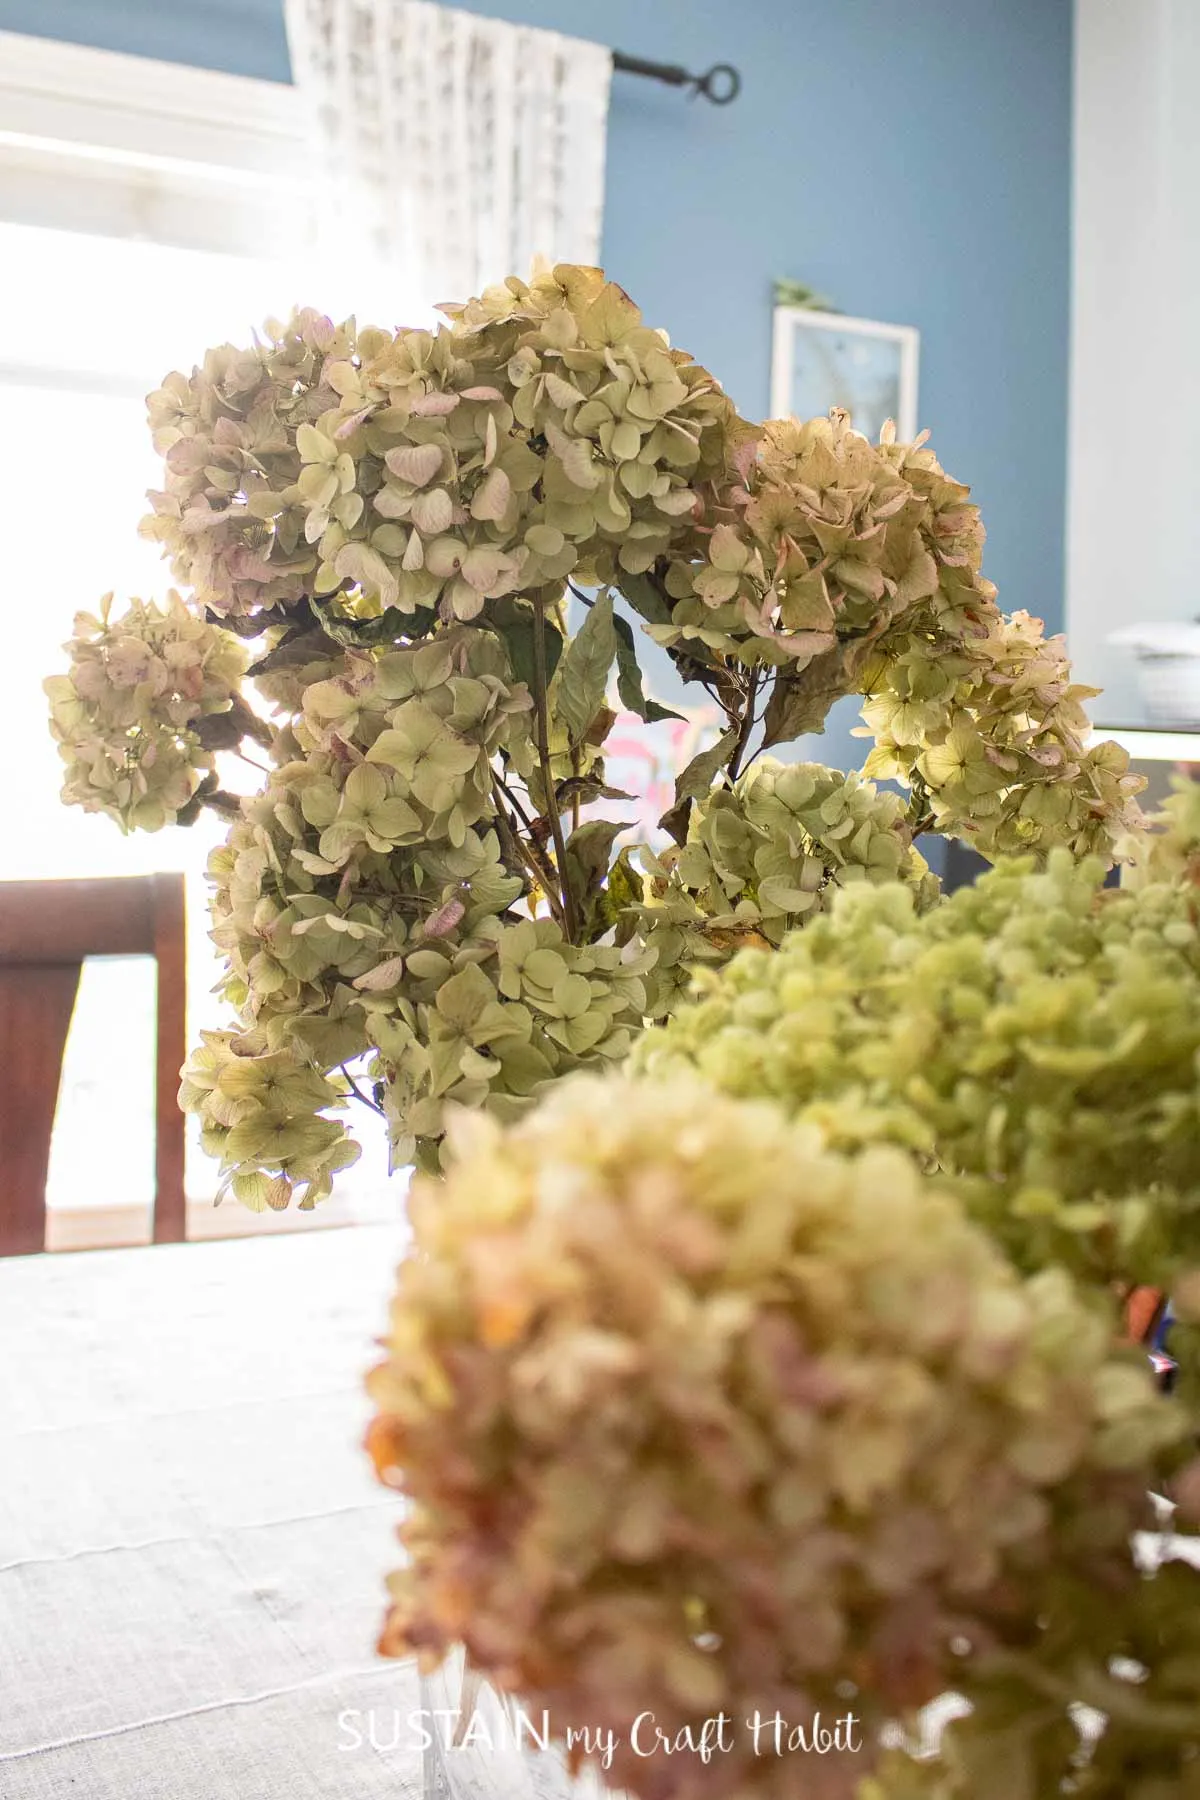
192, 1546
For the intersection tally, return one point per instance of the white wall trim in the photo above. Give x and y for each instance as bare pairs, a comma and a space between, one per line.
127, 146
1133, 490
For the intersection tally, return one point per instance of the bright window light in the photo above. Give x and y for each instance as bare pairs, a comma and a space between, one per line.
88, 326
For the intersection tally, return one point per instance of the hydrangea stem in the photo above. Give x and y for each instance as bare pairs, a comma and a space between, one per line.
919, 814
536, 866
747, 726
541, 710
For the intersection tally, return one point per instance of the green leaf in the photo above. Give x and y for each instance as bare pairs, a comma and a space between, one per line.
694, 783
253, 624
219, 731
798, 293
587, 788
629, 678
645, 599
697, 778
622, 889
583, 673
512, 620
392, 626
300, 644
191, 810
588, 852
800, 703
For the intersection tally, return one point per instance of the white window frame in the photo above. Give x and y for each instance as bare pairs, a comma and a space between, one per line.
126, 146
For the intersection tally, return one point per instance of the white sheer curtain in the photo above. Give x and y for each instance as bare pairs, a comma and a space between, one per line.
449, 150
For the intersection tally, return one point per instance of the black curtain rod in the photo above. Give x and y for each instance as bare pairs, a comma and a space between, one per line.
720, 84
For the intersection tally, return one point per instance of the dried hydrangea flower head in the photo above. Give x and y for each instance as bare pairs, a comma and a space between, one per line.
549, 432
378, 535
694, 1416
145, 701
856, 568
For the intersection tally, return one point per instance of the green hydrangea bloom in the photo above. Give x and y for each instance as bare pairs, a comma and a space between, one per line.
1035, 1035
764, 856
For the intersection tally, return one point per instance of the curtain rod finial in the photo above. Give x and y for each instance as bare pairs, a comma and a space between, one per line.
720, 84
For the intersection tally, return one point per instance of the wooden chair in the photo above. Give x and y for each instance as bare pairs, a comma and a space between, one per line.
46, 930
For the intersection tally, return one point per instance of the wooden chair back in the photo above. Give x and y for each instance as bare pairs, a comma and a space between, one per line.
47, 928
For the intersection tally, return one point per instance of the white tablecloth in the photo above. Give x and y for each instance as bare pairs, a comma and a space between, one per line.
192, 1546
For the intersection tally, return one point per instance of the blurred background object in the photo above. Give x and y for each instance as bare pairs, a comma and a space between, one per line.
47, 929
1168, 667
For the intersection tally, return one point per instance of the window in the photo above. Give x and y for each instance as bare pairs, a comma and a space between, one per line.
175, 219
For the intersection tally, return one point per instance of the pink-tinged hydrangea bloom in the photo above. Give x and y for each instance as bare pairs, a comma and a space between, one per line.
694, 1416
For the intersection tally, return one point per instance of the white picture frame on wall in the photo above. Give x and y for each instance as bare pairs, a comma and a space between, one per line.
821, 359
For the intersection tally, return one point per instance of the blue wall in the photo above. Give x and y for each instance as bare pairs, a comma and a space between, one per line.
911, 161
244, 37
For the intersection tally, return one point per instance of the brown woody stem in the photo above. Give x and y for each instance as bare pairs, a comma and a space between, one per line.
918, 815
536, 866
541, 685
747, 726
